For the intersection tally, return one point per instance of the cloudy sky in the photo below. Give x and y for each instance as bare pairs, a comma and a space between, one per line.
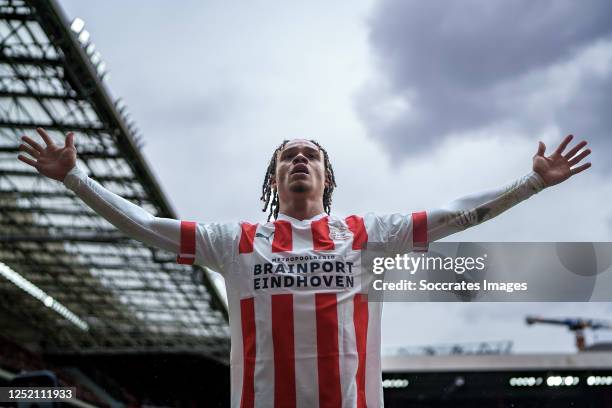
417, 103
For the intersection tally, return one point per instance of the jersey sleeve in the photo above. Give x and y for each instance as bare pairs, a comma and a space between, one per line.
414, 231
210, 245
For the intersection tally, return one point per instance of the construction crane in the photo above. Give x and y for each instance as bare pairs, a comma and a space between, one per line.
575, 325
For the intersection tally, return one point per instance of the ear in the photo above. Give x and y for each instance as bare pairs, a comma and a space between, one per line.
273, 182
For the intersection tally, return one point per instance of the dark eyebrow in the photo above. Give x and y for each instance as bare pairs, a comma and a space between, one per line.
292, 149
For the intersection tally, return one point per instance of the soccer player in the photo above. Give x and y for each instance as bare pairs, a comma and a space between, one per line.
302, 333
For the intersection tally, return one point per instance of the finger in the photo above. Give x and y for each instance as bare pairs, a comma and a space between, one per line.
580, 168
70, 140
32, 152
45, 136
575, 150
33, 143
564, 144
541, 149
27, 160
581, 156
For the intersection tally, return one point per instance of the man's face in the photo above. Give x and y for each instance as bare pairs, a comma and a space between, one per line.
300, 169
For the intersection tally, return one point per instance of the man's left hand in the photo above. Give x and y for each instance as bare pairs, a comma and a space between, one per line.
559, 167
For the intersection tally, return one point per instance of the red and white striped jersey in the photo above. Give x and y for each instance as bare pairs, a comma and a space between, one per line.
303, 333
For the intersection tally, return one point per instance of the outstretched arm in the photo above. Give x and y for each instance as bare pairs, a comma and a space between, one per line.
59, 163
129, 218
472, 210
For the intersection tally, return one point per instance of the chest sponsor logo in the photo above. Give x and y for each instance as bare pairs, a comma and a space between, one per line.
303, 272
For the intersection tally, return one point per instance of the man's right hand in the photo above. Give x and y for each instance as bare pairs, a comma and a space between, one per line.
52, 161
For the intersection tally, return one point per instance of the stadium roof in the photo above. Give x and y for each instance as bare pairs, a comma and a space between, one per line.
72, 282
521, 362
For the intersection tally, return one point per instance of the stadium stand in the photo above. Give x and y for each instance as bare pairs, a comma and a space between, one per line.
76, 296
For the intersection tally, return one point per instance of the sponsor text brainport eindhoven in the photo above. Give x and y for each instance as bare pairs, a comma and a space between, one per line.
309, 271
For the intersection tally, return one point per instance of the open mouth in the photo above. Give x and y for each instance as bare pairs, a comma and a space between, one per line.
300, 169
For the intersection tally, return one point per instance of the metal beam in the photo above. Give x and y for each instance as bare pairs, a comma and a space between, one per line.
83, 154
62, 127
100, 238
26, 60
41, 95
27, 173
16, 17
64, 193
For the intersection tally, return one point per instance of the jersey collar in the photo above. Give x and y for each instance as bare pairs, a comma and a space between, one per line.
285, 217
